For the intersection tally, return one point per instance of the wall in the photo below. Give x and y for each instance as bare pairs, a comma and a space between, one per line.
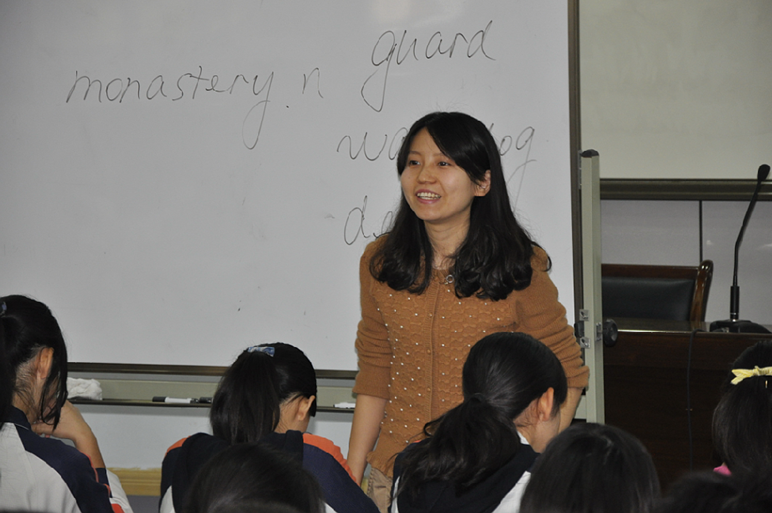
677, 89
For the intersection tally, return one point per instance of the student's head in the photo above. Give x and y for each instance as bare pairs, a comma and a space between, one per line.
270, 387
36, 357
592, 468
742, 420
469, 143
253, 478
519, 378
710, 492
511, 382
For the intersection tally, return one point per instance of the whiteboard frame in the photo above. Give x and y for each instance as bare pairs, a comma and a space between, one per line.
572, 19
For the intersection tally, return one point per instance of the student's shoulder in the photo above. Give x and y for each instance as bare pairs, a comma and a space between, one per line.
54, 452
198, 443
59, 468
176, 445
324, 452
322, 443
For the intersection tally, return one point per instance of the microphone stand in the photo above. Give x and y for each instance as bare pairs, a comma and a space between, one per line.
734, 324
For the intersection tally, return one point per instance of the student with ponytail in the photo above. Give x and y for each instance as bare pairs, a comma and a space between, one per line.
268, 396
477, 456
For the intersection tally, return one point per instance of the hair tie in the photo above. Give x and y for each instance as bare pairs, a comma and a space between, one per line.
3, 308
477, 396
741, 374
270, 351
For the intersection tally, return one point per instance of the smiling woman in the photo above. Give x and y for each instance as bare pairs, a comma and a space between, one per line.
454, 267
440, 193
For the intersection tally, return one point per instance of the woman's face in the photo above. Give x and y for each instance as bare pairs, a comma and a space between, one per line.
437, 190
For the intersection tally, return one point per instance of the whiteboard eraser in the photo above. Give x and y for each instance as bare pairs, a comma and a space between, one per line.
345, 405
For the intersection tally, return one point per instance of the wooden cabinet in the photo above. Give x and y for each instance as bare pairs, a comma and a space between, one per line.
647, 377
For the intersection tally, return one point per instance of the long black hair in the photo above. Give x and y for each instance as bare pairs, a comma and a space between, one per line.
592, 468
495, 257
247, 403
27, 326
742, 420
502, 375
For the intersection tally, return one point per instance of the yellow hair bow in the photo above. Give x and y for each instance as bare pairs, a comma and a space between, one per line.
741, 374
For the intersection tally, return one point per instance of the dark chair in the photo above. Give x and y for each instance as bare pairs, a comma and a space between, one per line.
656, 291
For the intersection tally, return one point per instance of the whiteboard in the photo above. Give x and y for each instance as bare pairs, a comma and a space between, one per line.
182, 179
677, 90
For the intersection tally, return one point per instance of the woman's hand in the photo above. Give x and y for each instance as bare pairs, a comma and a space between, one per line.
73, 427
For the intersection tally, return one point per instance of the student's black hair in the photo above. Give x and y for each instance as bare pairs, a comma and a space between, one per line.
247, 403
592, 468
253, 477
742, 420
710, 492
502, 375
27, 327
495, 257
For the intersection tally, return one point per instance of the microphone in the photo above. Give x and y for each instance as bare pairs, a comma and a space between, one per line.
733, 324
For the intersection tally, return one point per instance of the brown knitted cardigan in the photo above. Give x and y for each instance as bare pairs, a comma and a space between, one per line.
411, 347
